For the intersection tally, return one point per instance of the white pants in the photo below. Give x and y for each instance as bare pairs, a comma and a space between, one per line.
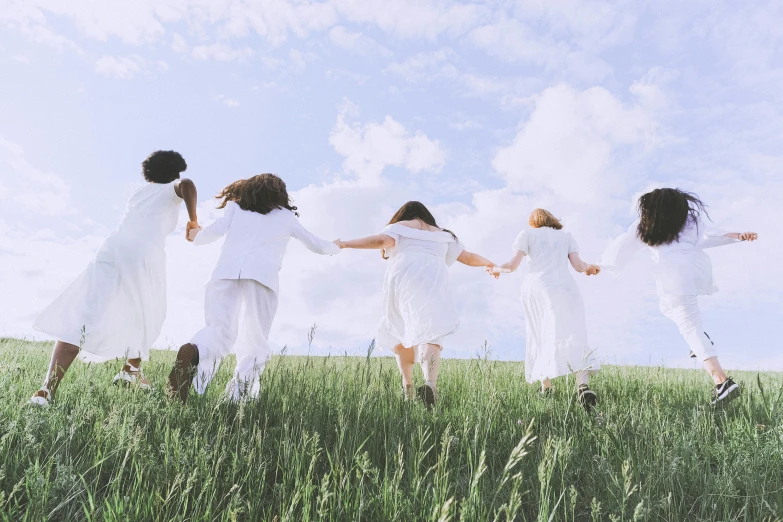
684, 311
222, 307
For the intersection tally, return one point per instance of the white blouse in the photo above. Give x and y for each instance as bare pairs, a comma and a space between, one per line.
546, 248
255, 243
682, 266
438, 243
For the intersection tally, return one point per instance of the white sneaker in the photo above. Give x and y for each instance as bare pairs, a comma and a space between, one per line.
41, 398
130, 376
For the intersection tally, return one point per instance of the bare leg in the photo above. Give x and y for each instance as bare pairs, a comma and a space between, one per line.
582, 378
430, 363
546, 384
62, 357
405, 361
715, 370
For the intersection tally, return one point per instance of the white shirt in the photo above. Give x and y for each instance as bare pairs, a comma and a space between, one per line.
546, 248
434, 242
255, 243
682, 266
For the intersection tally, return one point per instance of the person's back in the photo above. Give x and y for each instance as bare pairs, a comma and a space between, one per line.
548, 249
151, 213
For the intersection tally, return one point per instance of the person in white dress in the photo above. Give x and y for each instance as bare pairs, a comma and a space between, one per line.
419, 310
116, 307
556, 332
670, 224
257, 223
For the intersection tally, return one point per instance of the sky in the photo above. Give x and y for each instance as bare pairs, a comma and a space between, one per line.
481, 110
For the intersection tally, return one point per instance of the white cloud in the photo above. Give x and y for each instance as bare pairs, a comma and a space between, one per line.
218, 51
123, 67
231, 103
356, 43
371, 147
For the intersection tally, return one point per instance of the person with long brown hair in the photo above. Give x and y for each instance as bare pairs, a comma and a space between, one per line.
116, 307
671, 224
556, 331
258, 221
419, 311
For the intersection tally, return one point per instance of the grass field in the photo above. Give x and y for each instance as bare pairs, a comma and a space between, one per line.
331, 439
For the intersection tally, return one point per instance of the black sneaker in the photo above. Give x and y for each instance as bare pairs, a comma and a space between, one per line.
427, 395
587, 397
725, 392
185, 367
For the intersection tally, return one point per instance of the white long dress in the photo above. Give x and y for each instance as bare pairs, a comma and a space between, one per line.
418, 305
556, 340
116, 307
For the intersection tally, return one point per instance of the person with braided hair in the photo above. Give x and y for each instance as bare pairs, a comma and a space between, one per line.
257, 222
671, 224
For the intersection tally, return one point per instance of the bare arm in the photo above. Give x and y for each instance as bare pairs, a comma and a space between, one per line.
471, 259
513, 263
376, 242
582, 267
186, 189
743, 236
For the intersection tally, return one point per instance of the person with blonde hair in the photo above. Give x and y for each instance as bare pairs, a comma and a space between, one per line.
556, 340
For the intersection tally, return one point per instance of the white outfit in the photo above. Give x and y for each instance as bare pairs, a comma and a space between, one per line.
116, 307
418, 306
683, 271
246, 272
556, 340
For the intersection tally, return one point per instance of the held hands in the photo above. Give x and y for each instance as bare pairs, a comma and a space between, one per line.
593, 270
191, 230
495, 271
338, 243
747, 236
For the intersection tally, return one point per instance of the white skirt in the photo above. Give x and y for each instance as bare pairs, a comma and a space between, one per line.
418, 306
116, 307
556, 340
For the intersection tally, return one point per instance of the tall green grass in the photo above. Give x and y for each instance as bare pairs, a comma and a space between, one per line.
331, 439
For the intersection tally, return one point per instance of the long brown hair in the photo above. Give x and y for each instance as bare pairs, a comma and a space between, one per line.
664, 213
414, 210
262, 193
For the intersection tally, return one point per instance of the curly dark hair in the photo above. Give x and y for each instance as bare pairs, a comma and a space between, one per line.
664, 213
163, 166
262, 193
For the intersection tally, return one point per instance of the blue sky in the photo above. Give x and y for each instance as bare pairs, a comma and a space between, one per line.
482, 110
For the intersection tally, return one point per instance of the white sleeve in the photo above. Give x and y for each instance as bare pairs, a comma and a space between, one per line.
454, 251
621, 250
710, 237
521, 243
388, 230
573, 246
217, 228
311, 241
176, 198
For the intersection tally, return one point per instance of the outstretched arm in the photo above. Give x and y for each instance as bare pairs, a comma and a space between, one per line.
471, 259
376, 242
216, 230
186, 189
743, 236
511, 265
622, 250
313, 242
582, 267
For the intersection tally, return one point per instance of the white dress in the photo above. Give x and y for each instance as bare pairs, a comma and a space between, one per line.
418, 305
116, 307
556, 340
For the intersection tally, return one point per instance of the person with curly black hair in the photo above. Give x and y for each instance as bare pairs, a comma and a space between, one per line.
258, 221
116, 307
671, 224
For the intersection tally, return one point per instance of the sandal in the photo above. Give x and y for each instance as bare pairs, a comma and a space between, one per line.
131, 376
42, 397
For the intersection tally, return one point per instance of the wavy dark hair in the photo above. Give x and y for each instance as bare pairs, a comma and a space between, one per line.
163, 166
262, 193
415, 210
664, 213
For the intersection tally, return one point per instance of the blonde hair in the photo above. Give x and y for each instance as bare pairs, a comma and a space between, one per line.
544, 218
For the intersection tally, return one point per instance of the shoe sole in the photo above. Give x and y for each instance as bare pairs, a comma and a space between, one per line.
588, 399
727, 396
181, 376
426, 395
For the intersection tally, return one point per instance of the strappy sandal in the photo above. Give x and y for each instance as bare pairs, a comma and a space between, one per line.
131, 376
42, 397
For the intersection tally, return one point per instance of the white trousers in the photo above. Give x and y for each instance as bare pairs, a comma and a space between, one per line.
222, 308
684, 311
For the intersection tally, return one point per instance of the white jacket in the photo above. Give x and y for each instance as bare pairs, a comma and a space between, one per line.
255, 243
682, 267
